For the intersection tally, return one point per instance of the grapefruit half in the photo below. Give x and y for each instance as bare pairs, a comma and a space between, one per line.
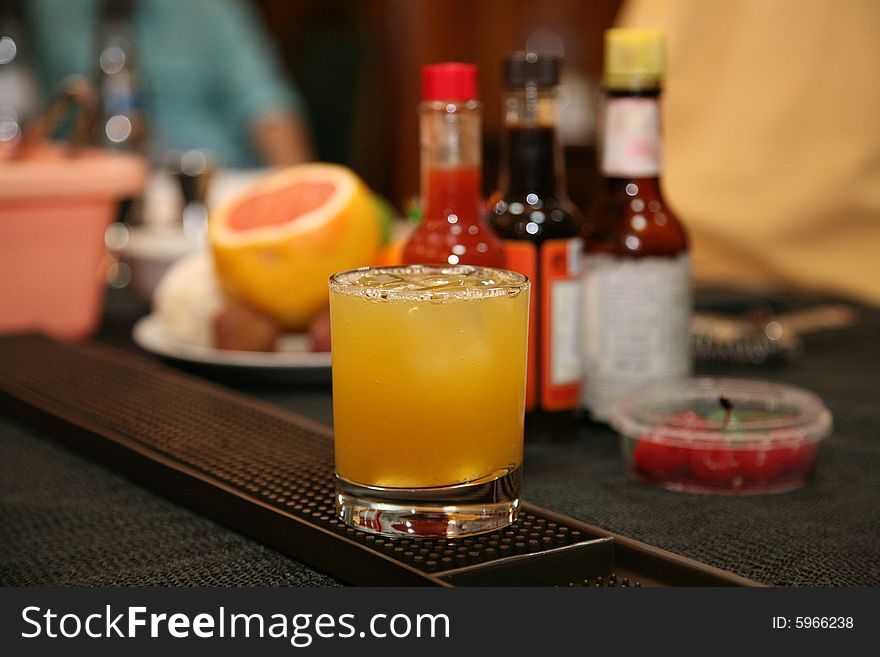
276, 244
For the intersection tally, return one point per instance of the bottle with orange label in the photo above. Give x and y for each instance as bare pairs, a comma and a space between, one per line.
541, 232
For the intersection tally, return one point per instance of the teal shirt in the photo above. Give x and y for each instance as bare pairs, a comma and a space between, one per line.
206, 67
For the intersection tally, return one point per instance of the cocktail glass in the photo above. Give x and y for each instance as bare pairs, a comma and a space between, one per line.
429, 369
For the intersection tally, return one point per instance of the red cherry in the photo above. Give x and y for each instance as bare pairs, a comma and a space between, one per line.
764, 464
717, 465
658, 459
802, 457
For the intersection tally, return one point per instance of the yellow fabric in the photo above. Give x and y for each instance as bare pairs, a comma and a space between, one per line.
772, 138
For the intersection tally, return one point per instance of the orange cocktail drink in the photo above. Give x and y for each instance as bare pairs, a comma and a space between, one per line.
428, 397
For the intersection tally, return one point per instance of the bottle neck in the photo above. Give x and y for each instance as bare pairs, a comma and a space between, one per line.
531, 154
631, 137
451, 159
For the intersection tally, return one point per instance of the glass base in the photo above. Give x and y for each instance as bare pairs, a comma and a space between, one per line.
465, 509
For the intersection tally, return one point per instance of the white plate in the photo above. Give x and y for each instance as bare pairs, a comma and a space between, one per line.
292, 363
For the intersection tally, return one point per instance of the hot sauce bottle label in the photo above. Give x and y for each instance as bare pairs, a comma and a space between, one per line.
522, 257
632, 137
554, 365
636, 325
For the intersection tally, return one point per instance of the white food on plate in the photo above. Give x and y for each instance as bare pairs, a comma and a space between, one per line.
188, 298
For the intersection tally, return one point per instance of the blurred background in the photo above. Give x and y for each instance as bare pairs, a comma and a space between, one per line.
772, 141
358, 66
352, 68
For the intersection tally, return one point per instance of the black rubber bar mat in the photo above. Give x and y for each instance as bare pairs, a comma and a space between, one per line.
268, 474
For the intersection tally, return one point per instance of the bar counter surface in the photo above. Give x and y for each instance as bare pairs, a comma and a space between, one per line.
69, 521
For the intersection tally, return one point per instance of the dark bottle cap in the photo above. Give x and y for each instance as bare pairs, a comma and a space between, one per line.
525, 68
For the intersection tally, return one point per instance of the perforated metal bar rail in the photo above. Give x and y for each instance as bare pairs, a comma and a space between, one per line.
268, 473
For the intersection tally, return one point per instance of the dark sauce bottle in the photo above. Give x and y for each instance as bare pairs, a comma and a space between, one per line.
541, 232
636, 292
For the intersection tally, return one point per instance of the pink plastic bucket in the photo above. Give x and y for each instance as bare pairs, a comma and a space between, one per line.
54, 209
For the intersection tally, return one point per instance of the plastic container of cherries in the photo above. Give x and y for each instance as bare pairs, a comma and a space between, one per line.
729, 436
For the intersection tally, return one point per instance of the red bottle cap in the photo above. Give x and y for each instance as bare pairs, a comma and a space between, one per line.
449, 81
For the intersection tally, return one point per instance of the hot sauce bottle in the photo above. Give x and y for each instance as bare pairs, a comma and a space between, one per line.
453, 230
636, 289
541, 232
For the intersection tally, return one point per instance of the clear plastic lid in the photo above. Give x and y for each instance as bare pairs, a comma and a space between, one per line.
730, 411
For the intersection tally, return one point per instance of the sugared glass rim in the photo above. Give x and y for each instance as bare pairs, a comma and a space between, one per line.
505, 283
654, 412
